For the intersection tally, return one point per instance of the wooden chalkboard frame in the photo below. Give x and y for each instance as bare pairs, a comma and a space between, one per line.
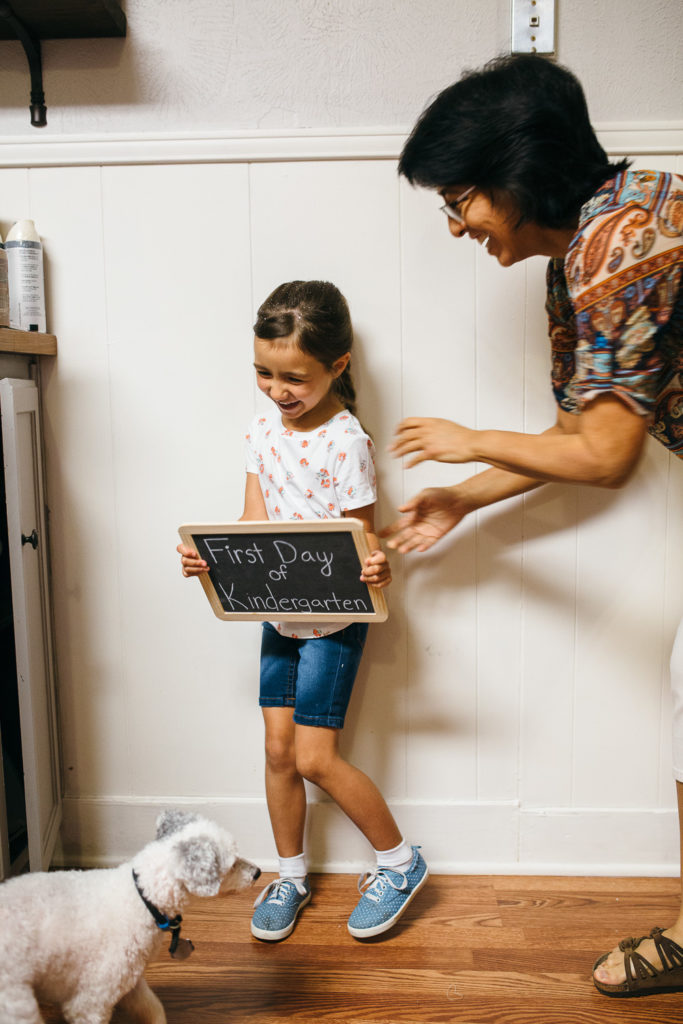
190, 532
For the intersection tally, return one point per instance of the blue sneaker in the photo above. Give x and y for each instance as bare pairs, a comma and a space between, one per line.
385, 894
277, 908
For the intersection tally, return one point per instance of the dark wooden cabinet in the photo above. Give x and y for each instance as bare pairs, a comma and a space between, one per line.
30, 777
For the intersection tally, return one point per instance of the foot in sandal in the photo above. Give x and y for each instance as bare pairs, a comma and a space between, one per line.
641, 967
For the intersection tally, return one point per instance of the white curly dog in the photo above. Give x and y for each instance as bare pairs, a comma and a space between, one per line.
82, 938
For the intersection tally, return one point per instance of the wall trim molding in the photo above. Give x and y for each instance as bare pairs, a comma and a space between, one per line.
104, 831
263, 147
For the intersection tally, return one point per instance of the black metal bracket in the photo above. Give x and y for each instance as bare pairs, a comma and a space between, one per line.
32, 50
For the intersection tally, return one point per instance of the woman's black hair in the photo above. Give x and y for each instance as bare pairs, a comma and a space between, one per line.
519, 125
316, 315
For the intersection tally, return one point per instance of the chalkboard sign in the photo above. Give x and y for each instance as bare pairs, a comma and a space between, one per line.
287, 571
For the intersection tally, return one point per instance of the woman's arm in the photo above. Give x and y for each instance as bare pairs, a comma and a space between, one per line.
599, 446
434, 512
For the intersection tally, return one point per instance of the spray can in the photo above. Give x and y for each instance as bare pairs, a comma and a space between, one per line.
25, 276
4, 290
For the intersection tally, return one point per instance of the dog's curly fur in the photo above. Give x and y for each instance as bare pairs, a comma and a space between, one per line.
82, 938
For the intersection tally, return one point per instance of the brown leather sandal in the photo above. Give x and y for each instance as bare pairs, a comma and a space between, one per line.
642, 978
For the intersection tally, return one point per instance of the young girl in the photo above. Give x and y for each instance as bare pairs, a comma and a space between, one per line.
309, 458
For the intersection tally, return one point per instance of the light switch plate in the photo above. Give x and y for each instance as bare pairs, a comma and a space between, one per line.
533, 26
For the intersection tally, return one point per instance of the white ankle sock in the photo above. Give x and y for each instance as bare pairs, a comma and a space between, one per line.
399, 859
293, 867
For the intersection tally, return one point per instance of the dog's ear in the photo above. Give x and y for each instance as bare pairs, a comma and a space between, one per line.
201, 866
169, 822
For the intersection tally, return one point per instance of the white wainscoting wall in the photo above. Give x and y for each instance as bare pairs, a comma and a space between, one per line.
515, 708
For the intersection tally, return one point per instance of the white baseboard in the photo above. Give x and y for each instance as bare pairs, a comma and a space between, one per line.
457, 838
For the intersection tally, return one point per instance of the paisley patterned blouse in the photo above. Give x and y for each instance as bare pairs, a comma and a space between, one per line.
615, 303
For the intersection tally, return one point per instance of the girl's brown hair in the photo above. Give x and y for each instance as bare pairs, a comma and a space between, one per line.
316, 315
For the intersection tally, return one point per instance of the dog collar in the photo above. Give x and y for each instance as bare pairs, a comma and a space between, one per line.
179, 949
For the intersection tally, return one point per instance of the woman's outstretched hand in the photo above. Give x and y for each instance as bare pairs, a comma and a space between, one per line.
426, 518
438, 440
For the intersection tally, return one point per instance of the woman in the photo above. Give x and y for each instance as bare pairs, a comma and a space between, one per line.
511, 151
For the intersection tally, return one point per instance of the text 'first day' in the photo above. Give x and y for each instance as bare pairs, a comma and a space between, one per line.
283, 553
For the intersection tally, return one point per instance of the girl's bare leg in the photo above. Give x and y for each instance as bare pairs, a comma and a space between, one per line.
285, 790
318, 759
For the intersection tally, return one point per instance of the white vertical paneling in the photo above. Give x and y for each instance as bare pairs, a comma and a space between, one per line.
15, 203
66, 203
522, 655
549, 582
500, 404
672, 606
178, 286
338, 221
439, 333
548, 631
618, 647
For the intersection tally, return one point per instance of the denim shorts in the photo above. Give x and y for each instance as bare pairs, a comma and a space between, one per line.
315, 677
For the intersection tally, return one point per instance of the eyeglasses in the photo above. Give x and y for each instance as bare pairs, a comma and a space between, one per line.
451, 209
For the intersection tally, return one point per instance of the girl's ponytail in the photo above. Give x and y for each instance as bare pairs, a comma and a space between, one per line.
344, 388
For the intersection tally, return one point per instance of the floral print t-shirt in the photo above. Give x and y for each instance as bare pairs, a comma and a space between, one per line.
615, 303
319, 474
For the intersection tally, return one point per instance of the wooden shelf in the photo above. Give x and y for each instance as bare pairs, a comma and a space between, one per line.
30, 343
67, 19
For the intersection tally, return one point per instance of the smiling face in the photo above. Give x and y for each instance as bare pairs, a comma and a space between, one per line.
492, 222
300, 385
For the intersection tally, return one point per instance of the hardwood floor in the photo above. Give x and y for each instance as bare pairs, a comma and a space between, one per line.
469, 950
